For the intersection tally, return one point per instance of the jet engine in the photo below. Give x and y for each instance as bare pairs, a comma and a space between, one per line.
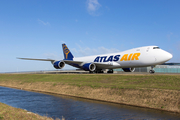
59, 64
89, 67
128, 69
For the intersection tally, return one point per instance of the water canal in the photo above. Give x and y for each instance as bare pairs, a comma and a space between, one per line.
71, 108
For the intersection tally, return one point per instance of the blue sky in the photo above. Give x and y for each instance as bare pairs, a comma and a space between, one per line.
37, 28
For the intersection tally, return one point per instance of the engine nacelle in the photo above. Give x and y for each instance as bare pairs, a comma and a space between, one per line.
128, 69
89, 67
59, 64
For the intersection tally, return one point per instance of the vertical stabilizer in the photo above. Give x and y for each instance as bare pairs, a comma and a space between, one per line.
67, 54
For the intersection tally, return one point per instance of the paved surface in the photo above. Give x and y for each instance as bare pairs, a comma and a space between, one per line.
86, 72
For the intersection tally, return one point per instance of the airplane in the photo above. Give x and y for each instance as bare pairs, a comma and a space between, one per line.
127, 60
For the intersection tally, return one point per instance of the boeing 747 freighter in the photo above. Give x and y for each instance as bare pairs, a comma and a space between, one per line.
127, 60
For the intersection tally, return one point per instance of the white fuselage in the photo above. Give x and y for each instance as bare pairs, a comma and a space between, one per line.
137, 57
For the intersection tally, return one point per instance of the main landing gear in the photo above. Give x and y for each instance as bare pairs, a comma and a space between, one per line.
101, 71
97, 71
110, 71
152, 71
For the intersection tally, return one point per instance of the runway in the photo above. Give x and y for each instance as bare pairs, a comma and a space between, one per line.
87, 72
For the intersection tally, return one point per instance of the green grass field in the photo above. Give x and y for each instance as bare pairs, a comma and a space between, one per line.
10, 113
170, 82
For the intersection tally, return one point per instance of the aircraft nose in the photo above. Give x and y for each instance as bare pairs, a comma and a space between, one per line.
163, 56
169, 56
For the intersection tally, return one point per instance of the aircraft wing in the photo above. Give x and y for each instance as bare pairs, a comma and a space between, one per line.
73, 63
37, 59
80, 63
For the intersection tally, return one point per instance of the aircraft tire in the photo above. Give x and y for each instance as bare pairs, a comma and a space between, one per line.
151, 71
99, 71
110, 71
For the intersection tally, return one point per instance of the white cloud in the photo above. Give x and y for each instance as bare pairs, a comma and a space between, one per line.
63, 42
42, 22
169, 35
86, 51
107, 8
93, 6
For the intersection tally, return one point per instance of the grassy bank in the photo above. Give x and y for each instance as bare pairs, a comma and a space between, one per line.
170, 82
152, 91
11, 113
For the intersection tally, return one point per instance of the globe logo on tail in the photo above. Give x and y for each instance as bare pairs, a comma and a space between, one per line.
66, 50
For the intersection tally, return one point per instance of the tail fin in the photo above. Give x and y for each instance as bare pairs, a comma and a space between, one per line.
67, 54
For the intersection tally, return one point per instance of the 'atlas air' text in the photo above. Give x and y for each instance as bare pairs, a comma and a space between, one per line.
125, 57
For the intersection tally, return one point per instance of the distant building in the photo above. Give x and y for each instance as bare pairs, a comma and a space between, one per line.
168, 68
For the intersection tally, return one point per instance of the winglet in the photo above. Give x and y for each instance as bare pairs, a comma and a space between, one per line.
67, 54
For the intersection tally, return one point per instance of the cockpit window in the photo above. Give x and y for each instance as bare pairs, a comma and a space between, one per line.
156, 48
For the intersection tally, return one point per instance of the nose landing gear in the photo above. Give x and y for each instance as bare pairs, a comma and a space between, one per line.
152, 71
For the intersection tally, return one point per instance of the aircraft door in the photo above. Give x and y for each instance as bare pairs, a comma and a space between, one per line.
147, 50
149, 53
